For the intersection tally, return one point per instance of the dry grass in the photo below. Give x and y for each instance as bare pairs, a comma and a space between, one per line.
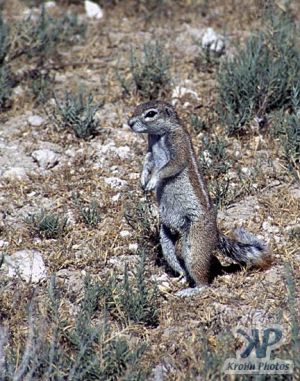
193, 336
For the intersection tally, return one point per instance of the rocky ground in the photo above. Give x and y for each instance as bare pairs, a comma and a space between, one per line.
44, 167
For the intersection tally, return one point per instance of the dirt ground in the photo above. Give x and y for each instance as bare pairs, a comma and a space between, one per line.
263, 195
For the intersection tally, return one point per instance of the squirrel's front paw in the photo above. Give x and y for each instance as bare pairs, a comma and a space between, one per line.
145, 178
152, 183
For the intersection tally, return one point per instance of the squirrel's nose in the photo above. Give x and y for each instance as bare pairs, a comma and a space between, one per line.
131, 122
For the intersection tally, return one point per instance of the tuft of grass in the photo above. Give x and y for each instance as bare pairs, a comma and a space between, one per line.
260, 77
138, 302
40, 37
215, 163
4, 39
140, 217
41, 86
6, 86
56, 349
91, 214
47, 225
197, 123
77, 112
287, 130
150, 72
206, 61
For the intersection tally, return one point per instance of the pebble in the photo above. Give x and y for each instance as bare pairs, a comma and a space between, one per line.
35, 120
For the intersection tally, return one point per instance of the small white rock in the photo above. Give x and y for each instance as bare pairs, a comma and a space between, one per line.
93, 10
50, 4
181, 91
28, 264
115, 182
213, 41
35, 120
133, 247
124, 233
116, 197
3, 243
16, 173
45, 158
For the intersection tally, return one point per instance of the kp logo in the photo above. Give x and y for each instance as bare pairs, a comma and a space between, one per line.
254, 357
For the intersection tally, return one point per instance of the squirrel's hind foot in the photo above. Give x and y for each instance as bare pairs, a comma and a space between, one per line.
191, 291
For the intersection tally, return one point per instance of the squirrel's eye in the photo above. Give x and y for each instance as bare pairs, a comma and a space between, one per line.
150, 114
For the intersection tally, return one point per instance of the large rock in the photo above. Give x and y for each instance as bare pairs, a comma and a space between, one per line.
26, 264
45, 158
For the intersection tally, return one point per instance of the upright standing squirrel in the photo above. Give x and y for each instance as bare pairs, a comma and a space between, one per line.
186, 211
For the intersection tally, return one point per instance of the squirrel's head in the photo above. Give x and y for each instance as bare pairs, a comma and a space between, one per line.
154, 117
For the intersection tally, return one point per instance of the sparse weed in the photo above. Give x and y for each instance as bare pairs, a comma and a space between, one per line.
140, 218
287, 129
150, 72
197, 123
215, 163
206, 60
139, 304
41, 37
78, 113
6, 85
47, 225
57, 350
260, 77
4, 39
41, 86
90, 214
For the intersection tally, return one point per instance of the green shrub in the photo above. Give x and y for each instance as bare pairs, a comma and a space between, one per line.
90, 214
47, 225
41, 37
141, 219
56, 350
138, 302
150, 72
78, 113
287, 130
215, 163
260, 77
6, 86
4, 39
197, 123
41, 84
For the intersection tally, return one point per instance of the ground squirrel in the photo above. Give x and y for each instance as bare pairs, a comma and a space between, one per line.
186, 210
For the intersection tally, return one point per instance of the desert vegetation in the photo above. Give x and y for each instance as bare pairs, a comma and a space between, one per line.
102, 304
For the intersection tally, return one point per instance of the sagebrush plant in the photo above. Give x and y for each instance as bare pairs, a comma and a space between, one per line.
140, 217
4, 39
56, 350
287, 130
77, 112
41, 84
40, 37
260, 77
197, 123
89, 213
138, 300
215, 163
6, 86
47, 224
206, 60
150, 72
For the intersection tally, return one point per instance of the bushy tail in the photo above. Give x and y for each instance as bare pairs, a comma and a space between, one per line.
246, 249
